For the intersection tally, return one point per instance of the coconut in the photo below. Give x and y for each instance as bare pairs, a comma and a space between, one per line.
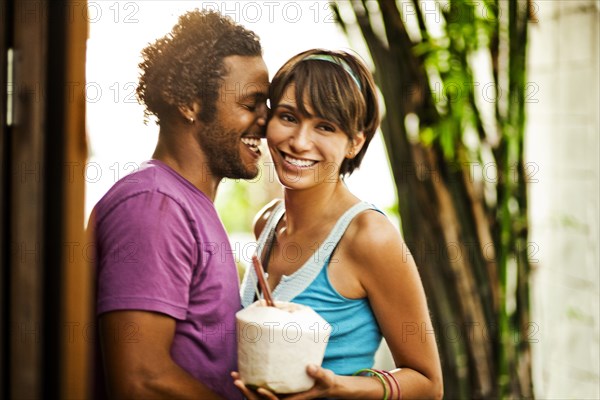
276, 344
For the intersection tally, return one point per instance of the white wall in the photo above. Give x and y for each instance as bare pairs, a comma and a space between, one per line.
562, 149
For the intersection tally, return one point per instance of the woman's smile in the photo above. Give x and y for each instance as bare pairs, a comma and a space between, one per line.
297, 161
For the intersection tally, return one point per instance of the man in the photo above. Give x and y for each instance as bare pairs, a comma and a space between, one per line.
167, 283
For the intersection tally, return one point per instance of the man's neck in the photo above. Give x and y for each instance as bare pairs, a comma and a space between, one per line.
181, 152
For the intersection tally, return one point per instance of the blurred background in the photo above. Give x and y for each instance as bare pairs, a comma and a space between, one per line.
487, 161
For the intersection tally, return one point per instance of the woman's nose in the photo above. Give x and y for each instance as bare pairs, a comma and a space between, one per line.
300, 139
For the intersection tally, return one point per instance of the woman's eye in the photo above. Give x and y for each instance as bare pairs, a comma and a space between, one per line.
250, 107
287, 117
327, 127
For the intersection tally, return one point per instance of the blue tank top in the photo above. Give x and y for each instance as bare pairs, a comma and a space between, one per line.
355, 334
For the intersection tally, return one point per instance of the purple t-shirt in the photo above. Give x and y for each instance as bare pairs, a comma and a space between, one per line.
162, 247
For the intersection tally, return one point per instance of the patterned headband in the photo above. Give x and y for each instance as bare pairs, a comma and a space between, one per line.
338, 61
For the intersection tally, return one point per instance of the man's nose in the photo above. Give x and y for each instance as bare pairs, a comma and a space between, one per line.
263, 114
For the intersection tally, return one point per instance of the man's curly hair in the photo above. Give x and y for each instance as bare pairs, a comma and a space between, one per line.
187, 64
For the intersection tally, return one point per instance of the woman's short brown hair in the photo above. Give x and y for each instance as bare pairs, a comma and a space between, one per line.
347, 98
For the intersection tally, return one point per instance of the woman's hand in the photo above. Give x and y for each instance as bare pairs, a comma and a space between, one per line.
324, 382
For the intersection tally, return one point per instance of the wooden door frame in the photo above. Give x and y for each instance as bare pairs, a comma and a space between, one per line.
44, 292
5, 28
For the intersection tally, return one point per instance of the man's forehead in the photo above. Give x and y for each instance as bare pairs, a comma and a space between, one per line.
247, 69
247, 77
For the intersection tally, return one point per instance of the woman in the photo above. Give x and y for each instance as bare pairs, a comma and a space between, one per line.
325, 248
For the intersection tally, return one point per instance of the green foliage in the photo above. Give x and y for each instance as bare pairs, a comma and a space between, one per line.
467, 69
234, 206
238, 201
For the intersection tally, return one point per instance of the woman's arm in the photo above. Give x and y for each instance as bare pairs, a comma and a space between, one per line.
389, 275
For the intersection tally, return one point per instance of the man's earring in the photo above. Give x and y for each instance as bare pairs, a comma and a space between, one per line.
191, 120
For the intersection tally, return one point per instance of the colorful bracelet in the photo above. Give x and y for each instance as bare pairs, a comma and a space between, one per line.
397, 386
386, 375
379, 376
396, 383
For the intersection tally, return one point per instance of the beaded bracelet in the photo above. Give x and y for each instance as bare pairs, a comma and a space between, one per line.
379, 376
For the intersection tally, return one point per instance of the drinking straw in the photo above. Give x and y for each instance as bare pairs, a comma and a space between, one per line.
264, 286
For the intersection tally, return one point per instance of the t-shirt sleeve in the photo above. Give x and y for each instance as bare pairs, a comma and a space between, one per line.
146, 256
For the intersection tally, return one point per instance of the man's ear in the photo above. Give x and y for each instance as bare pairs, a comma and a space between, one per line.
190, 112
356, 144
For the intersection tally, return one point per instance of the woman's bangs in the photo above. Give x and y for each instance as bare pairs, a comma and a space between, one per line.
329, 98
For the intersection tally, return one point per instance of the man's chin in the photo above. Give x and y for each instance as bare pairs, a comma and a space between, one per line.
251, 174
246, 174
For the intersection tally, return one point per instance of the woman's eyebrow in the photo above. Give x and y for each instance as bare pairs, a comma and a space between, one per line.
286, 106
294, 108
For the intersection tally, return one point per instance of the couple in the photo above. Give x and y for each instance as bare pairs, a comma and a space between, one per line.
167, 283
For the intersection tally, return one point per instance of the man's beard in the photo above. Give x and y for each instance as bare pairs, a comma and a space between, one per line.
222, 150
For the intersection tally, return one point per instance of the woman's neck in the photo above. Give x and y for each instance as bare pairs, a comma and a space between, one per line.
314, 206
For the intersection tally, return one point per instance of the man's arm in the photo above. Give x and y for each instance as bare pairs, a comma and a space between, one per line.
137, 360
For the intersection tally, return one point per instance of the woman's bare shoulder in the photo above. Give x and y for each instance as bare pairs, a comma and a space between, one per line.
372, 238
263, 216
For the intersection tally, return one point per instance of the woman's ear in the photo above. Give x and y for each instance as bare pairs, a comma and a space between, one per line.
356, 144
189, 112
